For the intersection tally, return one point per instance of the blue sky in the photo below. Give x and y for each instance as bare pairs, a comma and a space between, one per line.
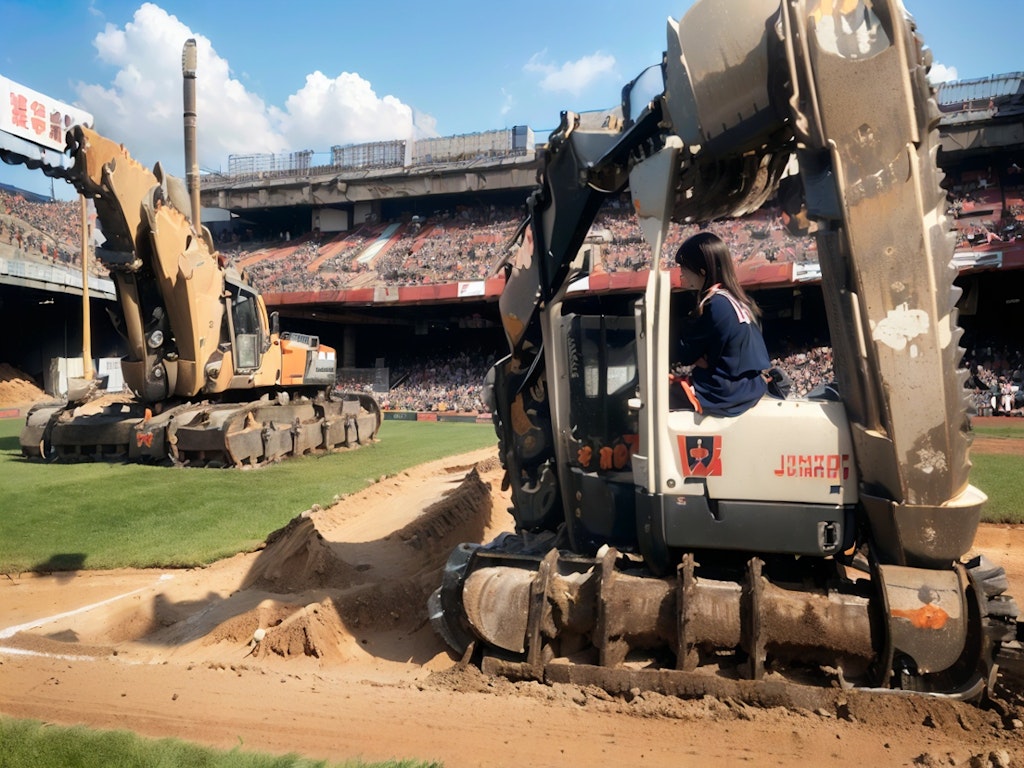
279, 77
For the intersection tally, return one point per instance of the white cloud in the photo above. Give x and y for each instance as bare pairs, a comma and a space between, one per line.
507, 104
573, 76
426, 125
347, 107
940, 73
142, 105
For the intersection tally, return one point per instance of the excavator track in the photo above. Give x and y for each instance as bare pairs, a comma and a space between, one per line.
254, 434
753, 630
242, 435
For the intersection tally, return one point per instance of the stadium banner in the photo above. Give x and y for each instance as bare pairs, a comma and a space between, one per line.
385, 293
399, 415
37, 118
463, 418
978, 259
474, 288
806, 271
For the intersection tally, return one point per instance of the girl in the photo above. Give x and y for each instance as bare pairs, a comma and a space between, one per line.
723, 343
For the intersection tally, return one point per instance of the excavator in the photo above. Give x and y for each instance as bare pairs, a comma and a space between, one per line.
817, 541
214, 380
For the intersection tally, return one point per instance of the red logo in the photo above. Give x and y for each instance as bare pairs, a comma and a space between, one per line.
701, 456
144, 439
832, 466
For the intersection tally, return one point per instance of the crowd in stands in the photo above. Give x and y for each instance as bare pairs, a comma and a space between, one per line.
449, 247
453, 381
996, 379
47, 232
439, 383
466, 243
987, 206
808, 369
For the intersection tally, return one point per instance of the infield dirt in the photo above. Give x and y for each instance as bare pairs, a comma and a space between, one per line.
349, 666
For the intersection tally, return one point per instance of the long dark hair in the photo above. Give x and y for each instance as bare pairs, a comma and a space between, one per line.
707, 255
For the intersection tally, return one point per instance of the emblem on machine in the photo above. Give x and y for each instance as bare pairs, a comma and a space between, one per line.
701, 456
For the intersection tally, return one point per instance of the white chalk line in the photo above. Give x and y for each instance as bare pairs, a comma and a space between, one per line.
10, 632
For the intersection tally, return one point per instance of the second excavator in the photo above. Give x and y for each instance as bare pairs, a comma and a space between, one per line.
214, 381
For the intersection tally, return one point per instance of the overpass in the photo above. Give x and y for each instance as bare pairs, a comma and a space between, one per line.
341, 198
982, 116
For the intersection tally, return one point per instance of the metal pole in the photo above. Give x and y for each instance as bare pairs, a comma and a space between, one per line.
188, 73
87, 369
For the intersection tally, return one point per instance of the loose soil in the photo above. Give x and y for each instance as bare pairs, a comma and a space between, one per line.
17, 388
349, 666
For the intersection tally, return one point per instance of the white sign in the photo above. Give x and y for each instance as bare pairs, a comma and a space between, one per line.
474, 288
969, 259
37, 118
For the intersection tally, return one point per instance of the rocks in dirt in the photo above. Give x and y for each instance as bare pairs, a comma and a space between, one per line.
995, 759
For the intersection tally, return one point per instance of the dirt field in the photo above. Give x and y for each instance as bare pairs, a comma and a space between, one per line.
349, 666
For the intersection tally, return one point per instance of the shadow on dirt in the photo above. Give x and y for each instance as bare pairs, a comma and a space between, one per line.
61, 566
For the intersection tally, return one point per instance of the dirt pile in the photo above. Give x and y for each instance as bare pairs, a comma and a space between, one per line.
17, 388
355, 588
296, 558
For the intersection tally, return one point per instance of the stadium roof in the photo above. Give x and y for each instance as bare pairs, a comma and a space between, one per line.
993, 87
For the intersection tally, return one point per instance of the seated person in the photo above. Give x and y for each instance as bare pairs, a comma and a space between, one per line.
722, 341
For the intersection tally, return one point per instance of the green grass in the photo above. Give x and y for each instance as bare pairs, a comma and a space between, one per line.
99, 515
32, 744
1001, 476
1010, 428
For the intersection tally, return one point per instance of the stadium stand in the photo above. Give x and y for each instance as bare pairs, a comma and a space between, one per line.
33, 228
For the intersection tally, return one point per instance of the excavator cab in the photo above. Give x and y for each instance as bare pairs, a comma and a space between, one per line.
249, 336
777, 480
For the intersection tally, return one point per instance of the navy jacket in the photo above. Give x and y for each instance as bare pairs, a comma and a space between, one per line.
728, 339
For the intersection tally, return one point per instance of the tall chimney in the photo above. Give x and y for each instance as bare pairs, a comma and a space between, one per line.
188, 74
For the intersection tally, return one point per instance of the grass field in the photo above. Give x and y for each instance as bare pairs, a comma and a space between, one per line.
1001, 476
99, 515
31, 744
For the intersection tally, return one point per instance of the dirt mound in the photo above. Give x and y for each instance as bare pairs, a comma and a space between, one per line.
460, 516
300, 557
362, 587
313, 631
296, 558
17, 387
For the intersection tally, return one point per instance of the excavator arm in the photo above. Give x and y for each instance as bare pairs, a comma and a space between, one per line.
747, 87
